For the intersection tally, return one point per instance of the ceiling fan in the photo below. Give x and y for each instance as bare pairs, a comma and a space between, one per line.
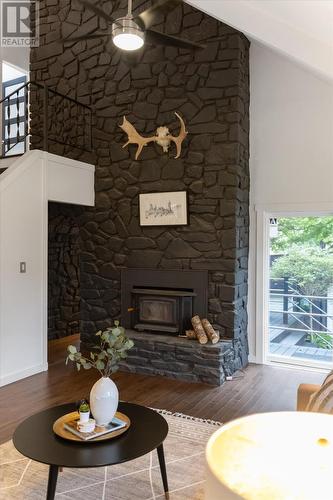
132, 32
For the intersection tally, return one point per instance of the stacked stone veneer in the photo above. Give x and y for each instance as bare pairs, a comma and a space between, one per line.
210, 89
179, 358
63, 271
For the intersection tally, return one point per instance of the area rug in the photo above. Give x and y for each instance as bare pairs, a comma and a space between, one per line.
140, 479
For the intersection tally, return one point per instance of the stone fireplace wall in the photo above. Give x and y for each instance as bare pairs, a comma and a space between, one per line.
210, 89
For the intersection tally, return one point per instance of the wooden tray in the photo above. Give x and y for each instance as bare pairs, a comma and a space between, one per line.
59, 430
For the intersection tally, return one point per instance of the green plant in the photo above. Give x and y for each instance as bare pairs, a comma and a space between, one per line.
84, 407
310, 267
112, 347
324, 340
314, 231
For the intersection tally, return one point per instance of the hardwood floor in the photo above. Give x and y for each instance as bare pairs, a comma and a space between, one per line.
258, 389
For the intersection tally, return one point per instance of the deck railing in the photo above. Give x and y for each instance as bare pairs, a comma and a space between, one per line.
307, 314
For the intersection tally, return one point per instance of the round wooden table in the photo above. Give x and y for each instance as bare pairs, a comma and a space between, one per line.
35, 439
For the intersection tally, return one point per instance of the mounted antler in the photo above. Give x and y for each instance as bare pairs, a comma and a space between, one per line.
182, 135
134, 137
162, 137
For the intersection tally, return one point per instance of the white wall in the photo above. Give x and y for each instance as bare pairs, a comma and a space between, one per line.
21, 295
291, 138
17, 57
299, 29
10, 72
25, 189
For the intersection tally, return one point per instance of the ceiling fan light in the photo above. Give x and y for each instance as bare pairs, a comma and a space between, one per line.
127, 35
128, 41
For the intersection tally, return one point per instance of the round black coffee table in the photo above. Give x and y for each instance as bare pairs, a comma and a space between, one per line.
35, 439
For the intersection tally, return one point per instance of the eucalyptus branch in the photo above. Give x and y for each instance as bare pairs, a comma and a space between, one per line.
112, 347
93, 364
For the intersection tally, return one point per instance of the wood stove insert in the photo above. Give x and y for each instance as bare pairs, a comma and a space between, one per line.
162, 310
162, 301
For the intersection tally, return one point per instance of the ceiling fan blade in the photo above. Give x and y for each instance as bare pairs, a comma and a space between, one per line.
148, 17
157, 38
97, 11
86, 37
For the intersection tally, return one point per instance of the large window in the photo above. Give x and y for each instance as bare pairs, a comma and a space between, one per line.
14, 113
299, 306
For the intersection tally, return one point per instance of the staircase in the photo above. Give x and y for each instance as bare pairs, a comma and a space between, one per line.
27, 184
6, 162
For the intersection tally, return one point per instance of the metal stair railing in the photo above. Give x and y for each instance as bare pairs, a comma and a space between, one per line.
14, 117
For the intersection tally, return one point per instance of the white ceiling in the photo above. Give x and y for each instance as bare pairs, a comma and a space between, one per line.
301, 29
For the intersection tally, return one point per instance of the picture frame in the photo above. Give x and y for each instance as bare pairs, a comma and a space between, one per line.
163, 209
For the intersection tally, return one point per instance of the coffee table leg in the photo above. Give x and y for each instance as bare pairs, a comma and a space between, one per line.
160, 453
52, 484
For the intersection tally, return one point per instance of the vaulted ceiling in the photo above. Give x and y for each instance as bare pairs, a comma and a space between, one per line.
300, 29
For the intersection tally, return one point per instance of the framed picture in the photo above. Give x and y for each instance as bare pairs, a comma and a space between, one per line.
163, 209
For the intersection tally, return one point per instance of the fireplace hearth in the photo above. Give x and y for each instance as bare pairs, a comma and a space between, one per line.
156, 307
157, 301
178, 358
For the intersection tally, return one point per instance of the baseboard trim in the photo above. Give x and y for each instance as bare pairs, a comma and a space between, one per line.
14, 377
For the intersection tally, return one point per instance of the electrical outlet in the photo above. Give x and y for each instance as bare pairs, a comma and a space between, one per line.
23, 267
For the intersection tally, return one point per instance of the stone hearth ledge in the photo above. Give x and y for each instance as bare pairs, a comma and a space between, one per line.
180, 358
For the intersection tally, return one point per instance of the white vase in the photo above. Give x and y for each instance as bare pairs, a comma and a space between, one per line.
104, 398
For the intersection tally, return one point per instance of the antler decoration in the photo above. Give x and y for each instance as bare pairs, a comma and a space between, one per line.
163, 137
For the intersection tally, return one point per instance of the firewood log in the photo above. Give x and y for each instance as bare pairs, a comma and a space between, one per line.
212, 334
199, 330
190, 334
